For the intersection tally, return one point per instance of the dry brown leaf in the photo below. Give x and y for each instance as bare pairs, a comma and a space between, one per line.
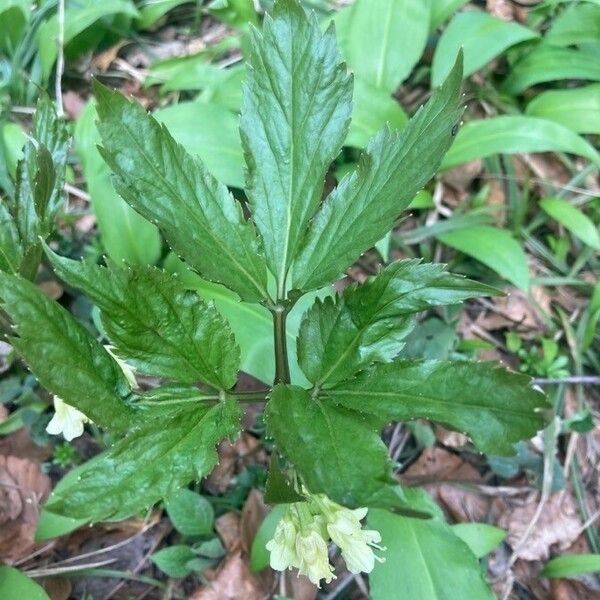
557, 528
460, 178
103, 60
253, 514
232, 459
569, 589
73, 104
58, 588
437, 464
464, 505
228, 528
233, 581
503, 9
451, 439
23, 487
299, 588
20, 444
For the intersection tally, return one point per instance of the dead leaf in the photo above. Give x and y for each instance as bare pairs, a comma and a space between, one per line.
20, 444
73, 104
233, 581
437, 464
299, 588
451, 439
58, 588
570, 589
460, 178
23, 487
464, 505
103, 60
253, 514
228, 528
503, 9
557, 528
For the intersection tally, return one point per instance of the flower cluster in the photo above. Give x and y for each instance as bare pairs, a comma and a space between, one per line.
302, 535
68, 420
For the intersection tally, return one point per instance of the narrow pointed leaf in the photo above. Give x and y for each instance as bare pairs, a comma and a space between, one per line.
64, 356
295, 116
368, 323
494, 407
156, 324
336, 451
151, 463
199, 217
366, 203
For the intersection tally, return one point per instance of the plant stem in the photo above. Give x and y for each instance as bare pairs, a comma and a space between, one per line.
282, 368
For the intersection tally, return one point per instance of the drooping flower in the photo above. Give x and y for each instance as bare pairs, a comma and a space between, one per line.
283, 545
311, 550
66, 420
127, 369
356, 543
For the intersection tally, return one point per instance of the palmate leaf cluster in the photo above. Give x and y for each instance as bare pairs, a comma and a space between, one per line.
297, 105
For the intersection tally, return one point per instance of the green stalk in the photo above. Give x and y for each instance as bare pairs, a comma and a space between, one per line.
282, 367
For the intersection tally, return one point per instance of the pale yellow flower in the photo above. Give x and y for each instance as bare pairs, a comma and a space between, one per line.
311, 550
282, 547
127, 370
66, 420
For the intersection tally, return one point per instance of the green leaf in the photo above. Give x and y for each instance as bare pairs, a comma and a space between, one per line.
190, 513
572, 219
515, 134
364, 206
577, 24
578, 109
78, 17
155, 323
295, 115
494, 407
336, 451
495, 248
480, 537
551, 63
209, 131
259, 555
382, 40
11, 252
482, 37
424, 559
442, 10
13, 584
373, 109
152, 462
571, 565
64, 356
174, 560
152, 10
125, 235
368, 323
199, 217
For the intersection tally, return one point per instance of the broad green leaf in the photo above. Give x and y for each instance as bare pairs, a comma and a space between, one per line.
442, 10
14, 584
382, 40
155, 323
495, 248
174, 560
67, 360
125, 235
515, 134
11, 251
495, 407
153, 461
252, 324
572, 565
480, 537
210, 131
295, 116
573, 219
365, 204
551, 63
14, 15
424, 560
237, 13
373, 109
152, 10
368, 322
12, 140
259, 555
578, 109
318, 438
78, 17
482, 38
199, 217
577, 24
190, 513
